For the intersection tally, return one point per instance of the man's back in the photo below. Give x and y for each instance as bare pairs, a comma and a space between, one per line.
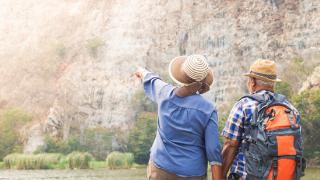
240, 117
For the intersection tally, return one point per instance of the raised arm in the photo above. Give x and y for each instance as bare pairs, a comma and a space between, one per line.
213, 146
155, 89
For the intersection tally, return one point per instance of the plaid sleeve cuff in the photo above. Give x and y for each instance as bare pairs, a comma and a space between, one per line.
230, 136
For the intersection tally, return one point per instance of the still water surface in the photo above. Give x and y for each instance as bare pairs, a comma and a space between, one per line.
101, 174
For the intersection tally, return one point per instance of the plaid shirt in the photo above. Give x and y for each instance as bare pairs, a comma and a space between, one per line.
241, 113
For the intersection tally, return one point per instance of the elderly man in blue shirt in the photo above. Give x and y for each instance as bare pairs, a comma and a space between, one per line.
187, 135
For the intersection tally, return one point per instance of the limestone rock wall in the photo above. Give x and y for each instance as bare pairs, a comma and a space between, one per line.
70, 63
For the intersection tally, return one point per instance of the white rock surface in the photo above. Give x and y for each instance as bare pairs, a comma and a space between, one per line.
77, 57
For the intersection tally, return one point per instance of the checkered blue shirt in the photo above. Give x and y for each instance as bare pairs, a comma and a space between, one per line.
240, 115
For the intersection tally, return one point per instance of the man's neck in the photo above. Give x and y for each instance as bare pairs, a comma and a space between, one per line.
263, 88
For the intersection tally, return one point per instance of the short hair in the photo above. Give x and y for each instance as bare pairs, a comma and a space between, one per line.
265, 83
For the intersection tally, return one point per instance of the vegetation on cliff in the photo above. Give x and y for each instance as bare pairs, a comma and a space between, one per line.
11, 122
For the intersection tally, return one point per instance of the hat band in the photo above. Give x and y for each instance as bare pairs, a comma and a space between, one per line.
269, 76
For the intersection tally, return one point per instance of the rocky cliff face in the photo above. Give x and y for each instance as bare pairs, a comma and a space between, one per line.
71, 62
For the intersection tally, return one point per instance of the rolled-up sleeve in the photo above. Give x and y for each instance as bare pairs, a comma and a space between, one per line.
155, 88
212, 141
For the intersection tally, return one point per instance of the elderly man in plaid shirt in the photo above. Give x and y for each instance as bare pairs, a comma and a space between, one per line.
262, 78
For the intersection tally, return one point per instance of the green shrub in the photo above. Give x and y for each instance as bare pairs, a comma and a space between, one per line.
31, 161
96, 141
284, 88
100, 142
52, 145
11, 121
128, 160
60, 50
79, 160
93, 46
308, 104
118, 160
141, 137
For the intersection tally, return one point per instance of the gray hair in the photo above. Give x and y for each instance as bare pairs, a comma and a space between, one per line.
265, 83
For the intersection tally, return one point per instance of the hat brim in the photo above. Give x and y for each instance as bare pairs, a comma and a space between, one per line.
180, 77
262, 78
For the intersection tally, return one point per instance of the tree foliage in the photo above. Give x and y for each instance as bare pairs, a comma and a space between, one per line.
142, 136
11, 121
308, 104
53, 145
97, 141
284, 88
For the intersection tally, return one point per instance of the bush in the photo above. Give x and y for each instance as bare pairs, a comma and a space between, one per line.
142, 136
308, 104
11, 121
117, 160
25, 161
100, 142
93, 46
96, 141
284, 88
52, 145
79, 160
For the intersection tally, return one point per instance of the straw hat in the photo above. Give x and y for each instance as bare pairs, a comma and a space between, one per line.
265, 70
185, 70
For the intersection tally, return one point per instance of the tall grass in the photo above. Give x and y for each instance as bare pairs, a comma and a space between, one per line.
31, 161
118, 160
79, 160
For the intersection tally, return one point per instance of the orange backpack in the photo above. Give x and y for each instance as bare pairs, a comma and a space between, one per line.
272, 143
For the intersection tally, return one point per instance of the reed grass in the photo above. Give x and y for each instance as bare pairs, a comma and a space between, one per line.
79, 160
118, 160
31, 161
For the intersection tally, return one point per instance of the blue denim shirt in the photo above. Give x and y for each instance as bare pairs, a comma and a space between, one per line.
187, 134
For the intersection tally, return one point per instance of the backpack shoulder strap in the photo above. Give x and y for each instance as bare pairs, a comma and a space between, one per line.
279, 98
255, 113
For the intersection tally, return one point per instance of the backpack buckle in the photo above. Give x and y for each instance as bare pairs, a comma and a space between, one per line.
249, 139
271, 115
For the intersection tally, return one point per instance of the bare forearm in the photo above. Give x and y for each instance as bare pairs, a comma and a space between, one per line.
216, 172
228, 153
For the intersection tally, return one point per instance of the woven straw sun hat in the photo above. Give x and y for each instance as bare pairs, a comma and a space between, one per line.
265, 70
185, 70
